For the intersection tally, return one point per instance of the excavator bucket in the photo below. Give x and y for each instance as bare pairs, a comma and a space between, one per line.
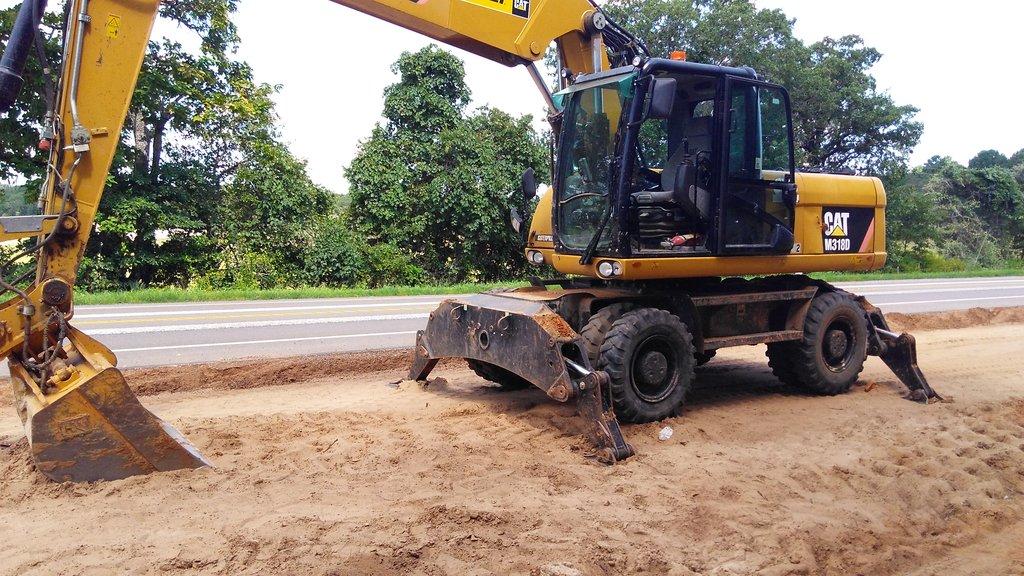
520, 333
91, 426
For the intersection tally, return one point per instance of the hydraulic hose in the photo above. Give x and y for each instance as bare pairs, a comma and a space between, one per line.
12, 66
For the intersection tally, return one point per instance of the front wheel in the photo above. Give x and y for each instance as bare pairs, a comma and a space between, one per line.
649, 357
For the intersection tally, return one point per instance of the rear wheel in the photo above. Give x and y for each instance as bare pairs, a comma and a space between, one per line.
503, 378
648, 355
830, 356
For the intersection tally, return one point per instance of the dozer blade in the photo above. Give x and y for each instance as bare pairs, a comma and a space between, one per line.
93, 427
522, 334
899, 352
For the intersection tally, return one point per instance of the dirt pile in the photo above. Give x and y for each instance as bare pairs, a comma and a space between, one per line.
955, 319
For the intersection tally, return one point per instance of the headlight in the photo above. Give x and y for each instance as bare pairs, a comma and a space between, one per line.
535, 258
606, 269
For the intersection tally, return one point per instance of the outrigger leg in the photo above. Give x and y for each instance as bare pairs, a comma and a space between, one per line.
899, 352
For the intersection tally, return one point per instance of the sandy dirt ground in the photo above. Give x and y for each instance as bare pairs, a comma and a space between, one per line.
325, 466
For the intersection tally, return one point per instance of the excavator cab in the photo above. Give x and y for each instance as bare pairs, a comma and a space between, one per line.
674, 160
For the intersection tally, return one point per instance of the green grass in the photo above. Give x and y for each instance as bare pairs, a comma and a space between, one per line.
866, 276
164, 295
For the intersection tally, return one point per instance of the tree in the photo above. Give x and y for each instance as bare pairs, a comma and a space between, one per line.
989, 159
200, 181
841, 119
266, 209
974, 215
436, 183
1018, 158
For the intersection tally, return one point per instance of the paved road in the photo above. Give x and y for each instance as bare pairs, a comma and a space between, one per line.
164, 334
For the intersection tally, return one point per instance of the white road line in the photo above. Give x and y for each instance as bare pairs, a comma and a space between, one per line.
88, 316
884, 304
938, 291
270, 302
262, 324
275, 341
896, 284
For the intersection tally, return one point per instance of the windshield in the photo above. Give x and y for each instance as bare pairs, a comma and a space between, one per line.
589, 140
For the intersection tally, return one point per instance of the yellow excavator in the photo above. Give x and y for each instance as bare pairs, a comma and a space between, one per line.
676, 217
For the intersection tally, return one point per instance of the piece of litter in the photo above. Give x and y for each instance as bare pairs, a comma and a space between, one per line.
665, 433
871, 386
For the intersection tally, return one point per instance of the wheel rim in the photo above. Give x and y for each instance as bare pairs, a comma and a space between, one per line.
839, 344
653, 368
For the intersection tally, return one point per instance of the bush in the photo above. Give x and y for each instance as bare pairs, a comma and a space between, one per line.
389, 266
934, 262
336, 256
245, 271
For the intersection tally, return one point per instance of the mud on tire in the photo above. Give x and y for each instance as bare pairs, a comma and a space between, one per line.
830, 356
648, 354
503, 378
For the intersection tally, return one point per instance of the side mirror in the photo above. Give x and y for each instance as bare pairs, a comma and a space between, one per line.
519, 224
663, 99
517, 220
529, 185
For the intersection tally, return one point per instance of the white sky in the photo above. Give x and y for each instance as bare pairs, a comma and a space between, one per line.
958, 62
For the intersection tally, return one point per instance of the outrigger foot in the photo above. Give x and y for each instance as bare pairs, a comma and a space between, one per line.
595, 407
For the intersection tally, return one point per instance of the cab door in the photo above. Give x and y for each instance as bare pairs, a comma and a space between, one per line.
758, 200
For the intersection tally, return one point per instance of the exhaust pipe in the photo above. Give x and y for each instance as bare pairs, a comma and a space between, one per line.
12, 66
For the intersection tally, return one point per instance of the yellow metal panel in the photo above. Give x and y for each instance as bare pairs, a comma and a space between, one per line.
493, 29
699, 267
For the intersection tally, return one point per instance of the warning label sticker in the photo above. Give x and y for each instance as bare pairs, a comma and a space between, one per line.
113, 25
519, 8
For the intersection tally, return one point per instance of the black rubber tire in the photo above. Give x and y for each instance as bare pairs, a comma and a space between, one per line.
503, 378
704, 357
817, 366
597, 328
639, 337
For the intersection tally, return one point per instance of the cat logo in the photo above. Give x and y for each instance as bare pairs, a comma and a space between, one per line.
519, 8
837, 231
